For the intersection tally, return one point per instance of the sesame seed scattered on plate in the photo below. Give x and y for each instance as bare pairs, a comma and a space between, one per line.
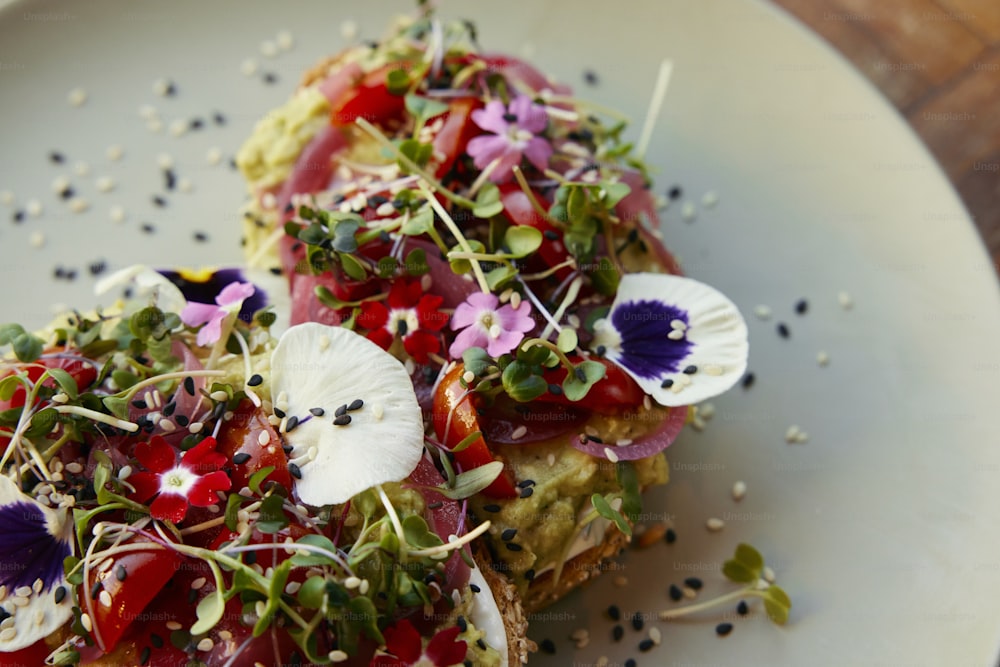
154, 125
148, 112
165, 161
78, 204
349, 29
37, 239
845, 301
762, 312
268, 49
284, 40
715, 524
185, 185
739, 490
114, 152
34, 208
709, 199
689, 212
81, 168
105, 184
178, 127
249, 67
822, 358
77, 97
214, 155
7, 197
117, 213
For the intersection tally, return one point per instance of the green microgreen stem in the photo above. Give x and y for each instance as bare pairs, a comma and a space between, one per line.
247, 372
393, 517
538, 304
535, 204
569, 263
457, 233
581, 525
481, 256
541, 342
571, 293
175, 375
749, 590
655, 104
452, 545
93, 415
220, 345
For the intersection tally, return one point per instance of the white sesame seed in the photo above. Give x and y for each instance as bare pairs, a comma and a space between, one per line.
269, 200
263, 438
114, 152
697, 423
7, 623
768, 574
602, 661
219, 395
195, 427
178, 127
284, 40
623, 442
351, 583
349, 29
74, 467
791, 432
709, 199
161, 87
378, 411
34, 208
198, 583
337, 656
117, 213
293, 587
365, 585
385, 209
655, 636
39, 616
762, 312
148, 112
104, 598
688, 592
715, 524
105, 184
678, 324
469, 377
165, 161
706, 410
551, 460
647, 402
822, 358
248, 67
173, 625
8, 634
610, 453
154, 125
7, 197
801, 437
167, 425
60, 184
88, 625
620, 581
519, 432
273, 420
845, 300
77, 97
688, 211
581, 636
675, 334
81, 168
78, 204
214, 155
206, 644
185, 185
739, 490
37, 240
22, 591
712, 369
268, 49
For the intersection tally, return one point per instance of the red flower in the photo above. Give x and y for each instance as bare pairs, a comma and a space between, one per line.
194, 480
411, 315
403, 641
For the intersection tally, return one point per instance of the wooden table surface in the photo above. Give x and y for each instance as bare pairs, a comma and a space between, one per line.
938, 62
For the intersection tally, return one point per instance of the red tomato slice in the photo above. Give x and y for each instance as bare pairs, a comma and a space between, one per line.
82, 373
370, 99
616, 390
456, 132
241, 435
450, 400
147, 572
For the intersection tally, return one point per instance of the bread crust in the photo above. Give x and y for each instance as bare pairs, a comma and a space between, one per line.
580, 569
511, 608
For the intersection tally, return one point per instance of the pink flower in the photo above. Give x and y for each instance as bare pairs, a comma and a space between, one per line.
194, 480
499, 330
404, 643
229, 300
515, 133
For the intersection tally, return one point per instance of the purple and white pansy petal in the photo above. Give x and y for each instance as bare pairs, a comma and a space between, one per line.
34, 541
680, 340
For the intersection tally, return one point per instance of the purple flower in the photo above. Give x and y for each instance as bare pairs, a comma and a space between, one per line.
515, 133
229, 300
499, 330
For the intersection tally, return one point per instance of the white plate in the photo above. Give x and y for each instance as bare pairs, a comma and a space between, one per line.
883, 527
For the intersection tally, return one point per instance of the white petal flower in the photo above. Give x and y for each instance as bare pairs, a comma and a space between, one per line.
148, 283
317, 373
34, 541
680, 340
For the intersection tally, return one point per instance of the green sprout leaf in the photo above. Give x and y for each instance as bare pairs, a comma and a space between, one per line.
461, 266
313, 592
27, 347
42, 422
628, 479
8, 332
352, 267
209, 612
467, 441
477, 360
416, 262
258, 477
397, 81
582, 378
310, 557
605, 509
605, 277
500, 276
614, 193
745, 566
424, 108
488, 201
418, 534
419, 223
522, 240
520, 382
471, 482
65, 382
777, 604
749, 556
386, 266
418, 153
272, 517
233, 504
567, 340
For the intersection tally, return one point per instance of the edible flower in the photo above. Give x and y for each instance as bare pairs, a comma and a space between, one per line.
228, 301
145, 284
34, 541
202, 285
404, 644
411, 316
680, 340
499, 330
194, 480
516, 129
351, 415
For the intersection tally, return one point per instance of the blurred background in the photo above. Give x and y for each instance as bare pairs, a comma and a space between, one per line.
938, 62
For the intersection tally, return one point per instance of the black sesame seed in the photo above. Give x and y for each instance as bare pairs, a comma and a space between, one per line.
121, 574
513, 546
70, 274
491, 508
601, 350
670, 536
275, 270
169, 408
170, 90
508, 534
801, 306
189, 385
580, 374
783, 330
59, 596
436, 505
529, 575
342, 420
630, 663
56, 157
139, 405
551, 234
156, 640
159, 201
98, 267
255, 380
232, 164
270, 78
617, 633
219, 118
748, 380
481, 644
461, 623
196, 124
340, 411
294, 471
676, 593
200, 237
182, 420
526, 492
279, 413
646, 645
555, 390
694, 583
742, 609
250, 557
547, 646
590, 77
145, 655
192, 596
667, 384
67, 193
169, 179
637, 622
524, 483
291, 424
95, 590
723, 629
614, 613
675, 192
316, 412
356, 404
241, 458
510, 117
690, 370
595, 439
18, 216
287, 449
147, 228
474, 588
